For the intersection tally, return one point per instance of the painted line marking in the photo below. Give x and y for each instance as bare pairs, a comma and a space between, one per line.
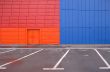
86, 55
3, 66
57, 64
53, 69
107, 64
57, 48
7, 51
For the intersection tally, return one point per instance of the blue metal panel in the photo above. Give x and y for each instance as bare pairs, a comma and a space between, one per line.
85, 21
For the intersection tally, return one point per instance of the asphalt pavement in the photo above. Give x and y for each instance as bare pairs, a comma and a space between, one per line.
65, 60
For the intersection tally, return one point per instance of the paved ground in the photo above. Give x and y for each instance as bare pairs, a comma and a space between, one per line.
54, 60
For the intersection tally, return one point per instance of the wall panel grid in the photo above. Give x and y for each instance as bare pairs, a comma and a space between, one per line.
29, 13
20, 36
17, 16
85, 21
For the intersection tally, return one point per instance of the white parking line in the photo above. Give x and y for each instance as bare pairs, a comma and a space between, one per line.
107, 64
3, 66
57, 64
86, 55
7, 51
59, 48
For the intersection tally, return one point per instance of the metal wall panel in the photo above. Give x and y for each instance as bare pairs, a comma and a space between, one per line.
29, 14
85, 21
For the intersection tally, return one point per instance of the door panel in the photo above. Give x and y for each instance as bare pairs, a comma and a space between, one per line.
33, 36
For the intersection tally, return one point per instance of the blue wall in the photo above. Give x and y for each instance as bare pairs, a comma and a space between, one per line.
85, 21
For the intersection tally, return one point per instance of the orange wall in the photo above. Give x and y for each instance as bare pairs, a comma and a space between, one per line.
17, 16
19, 36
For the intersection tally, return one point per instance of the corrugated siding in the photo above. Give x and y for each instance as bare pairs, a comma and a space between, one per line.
29, 13
85, 21
17, 15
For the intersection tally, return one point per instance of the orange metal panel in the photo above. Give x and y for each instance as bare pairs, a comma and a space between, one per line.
19, 19
22, 36
50, 36
50, 29
13, 36
0, 37
29, 36
33, 36
9, 36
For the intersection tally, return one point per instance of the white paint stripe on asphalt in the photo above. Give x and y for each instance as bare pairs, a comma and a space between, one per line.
61, 59
107, 64
46, 69
3, 66
57, 64
86, 55
7, 51
59, 48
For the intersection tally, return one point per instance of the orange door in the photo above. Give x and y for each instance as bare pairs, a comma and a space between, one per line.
33, 36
